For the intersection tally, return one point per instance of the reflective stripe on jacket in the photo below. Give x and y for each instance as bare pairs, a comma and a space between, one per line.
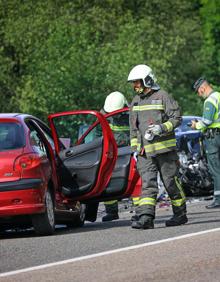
118, 127
156, 107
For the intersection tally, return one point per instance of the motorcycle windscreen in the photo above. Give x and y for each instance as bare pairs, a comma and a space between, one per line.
85, 167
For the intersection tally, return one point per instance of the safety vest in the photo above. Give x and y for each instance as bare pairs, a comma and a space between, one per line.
214, 99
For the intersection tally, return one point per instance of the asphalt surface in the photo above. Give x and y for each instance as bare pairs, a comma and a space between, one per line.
193, 258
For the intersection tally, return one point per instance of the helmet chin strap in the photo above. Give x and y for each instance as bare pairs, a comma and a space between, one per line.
139, 90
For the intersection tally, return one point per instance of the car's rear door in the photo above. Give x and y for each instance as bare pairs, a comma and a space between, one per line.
125, 177
85, 168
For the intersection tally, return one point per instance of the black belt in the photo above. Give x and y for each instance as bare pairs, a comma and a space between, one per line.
211, 132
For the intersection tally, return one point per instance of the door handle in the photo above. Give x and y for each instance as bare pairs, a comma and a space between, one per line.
69, 153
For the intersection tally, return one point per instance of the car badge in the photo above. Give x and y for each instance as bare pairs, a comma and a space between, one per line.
8, 174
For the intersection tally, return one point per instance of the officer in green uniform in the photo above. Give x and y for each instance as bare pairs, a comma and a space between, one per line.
153, 117
120, 127
210, 125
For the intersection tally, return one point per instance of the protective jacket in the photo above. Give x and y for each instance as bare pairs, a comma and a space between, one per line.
156, 107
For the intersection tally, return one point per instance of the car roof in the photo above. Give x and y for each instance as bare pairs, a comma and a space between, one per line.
17, 116
12, 115
20, 117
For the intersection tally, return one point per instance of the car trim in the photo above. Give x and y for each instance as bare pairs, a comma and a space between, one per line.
24, 184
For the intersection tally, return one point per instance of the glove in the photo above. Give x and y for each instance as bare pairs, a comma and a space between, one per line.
135, 156
149, 136
155, 129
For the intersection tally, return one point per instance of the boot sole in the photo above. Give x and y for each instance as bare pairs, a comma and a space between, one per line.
177, 224
106, 220
142, 227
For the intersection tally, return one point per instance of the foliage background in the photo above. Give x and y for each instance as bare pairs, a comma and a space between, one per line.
60, 55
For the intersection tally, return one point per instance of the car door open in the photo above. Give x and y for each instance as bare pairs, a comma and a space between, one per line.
84, 169
124, 177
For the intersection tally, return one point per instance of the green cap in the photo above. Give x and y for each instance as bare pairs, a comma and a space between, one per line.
198, 83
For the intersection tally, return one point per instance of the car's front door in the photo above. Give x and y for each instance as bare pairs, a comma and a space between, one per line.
85, 169
124, 177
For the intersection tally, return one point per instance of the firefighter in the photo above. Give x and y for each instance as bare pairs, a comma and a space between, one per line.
120, 127
153, 117
210, 126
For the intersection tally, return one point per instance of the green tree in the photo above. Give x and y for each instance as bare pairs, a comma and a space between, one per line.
210, 51
67, 55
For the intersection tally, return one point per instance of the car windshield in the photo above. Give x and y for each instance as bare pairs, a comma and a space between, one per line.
11, 136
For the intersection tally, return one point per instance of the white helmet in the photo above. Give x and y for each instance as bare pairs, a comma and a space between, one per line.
144, 73
115, 101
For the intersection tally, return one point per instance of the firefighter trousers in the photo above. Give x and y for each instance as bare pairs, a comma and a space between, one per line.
166, 165
111, 207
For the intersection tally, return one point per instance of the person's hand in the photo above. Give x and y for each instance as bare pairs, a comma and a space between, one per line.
193, 124
155, 129
135, 156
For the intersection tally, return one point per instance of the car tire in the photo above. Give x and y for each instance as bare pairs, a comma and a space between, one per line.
79, 219
44, 223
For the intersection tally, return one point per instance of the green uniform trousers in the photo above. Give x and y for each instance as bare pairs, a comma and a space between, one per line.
213, 157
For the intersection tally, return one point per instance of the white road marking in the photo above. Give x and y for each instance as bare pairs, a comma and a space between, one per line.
4, 274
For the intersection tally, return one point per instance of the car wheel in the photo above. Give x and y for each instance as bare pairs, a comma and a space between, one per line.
2, 229
44, 224
79, 219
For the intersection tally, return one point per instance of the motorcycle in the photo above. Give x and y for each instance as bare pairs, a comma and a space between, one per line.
193, 171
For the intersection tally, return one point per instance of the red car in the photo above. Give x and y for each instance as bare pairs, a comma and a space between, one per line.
59, 174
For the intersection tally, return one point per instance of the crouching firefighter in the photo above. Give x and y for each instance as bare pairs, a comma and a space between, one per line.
153, 118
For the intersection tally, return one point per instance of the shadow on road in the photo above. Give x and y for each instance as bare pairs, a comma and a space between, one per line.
195, 218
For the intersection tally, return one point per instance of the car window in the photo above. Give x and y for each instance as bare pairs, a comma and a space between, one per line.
119, 124
11, 136
70, 128
46, 134
36, 140
37, 144
96, 132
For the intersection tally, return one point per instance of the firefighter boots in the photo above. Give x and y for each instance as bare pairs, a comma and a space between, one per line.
213, 205
134, 218
176, 220
144, 222
110, 217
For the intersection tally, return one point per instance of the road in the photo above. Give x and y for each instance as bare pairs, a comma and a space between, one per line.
115, 252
